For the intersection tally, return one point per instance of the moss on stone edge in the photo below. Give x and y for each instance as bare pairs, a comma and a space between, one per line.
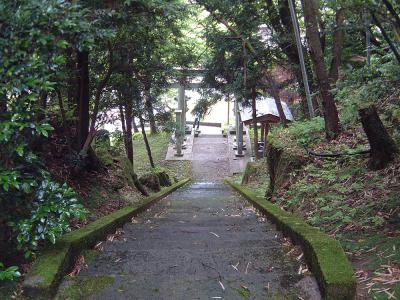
54, 262
324, 254
83, 287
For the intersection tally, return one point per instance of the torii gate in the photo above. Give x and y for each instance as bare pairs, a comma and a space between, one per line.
180, 113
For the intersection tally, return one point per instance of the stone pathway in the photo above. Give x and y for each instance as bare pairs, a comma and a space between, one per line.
202, 242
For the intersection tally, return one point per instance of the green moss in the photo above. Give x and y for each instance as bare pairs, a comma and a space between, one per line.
159, 146
248, 172
90, 255
325, 255
54, 262
83, 287
48, 265
245, 293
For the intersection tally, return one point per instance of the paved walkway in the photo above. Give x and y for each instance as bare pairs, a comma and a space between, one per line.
202, 242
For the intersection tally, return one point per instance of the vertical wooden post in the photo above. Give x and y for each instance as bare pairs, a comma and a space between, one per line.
254, 108
229, 108
266, 129
262, 131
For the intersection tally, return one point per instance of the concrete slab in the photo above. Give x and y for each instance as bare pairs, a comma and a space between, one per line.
187, 152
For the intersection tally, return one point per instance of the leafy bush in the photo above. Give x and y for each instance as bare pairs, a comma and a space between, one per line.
53, 207
298, 133
117, 141
9, 273
365, 86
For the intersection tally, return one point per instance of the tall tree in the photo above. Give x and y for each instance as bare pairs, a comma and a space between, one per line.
337, 45
279, 20
83, 97
331, 116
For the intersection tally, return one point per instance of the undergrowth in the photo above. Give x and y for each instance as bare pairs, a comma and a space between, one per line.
341, 196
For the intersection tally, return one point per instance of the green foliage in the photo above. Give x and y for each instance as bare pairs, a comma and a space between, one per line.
326, 194
159, 144
54, 205
33, 39
367, 85
298, 133
9, 273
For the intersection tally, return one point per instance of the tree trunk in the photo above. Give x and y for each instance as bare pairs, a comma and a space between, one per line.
99, 90
128, 119
135, 128
272, 85
65, 125
392, 11
42, 105
254, 108
73, 82
129, 147
150, 111
152, 120
383, 148
83, 97
321, 31
3, 106
337, 46
331, 116
123, 125
43, 100
281, 23
146, 142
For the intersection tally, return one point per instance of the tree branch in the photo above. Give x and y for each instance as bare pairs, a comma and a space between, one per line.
99, 91
267, 74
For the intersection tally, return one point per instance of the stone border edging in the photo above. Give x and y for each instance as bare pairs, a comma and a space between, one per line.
324, 255
48, 269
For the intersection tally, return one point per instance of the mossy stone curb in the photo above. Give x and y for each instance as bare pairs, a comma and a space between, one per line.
324, 254
42, 280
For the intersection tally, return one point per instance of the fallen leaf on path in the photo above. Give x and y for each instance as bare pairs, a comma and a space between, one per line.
247, 267
222, 286
215, 234
99, 246
235, 268
79, 265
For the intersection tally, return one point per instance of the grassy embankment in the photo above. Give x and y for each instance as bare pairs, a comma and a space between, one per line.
106, 192
341, 196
